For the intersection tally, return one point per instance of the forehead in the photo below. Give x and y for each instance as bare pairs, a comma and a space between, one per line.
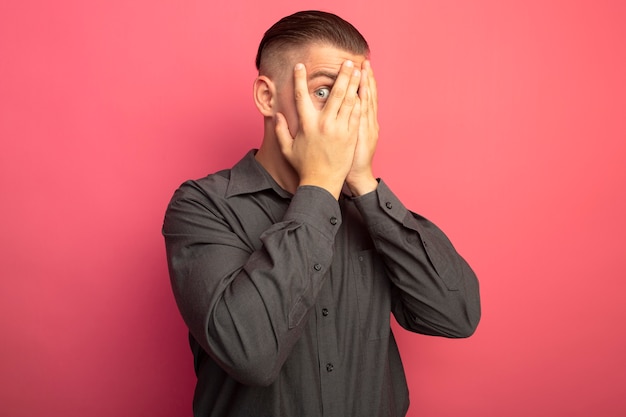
322, 58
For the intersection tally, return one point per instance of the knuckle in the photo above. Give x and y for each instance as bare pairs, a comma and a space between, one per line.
349, 100
326, 126
339, 92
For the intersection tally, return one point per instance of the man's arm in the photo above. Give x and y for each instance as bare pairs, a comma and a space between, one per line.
247, 307
437, 292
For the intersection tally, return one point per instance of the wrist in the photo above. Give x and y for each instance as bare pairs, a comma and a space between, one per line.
363, 185
333, 187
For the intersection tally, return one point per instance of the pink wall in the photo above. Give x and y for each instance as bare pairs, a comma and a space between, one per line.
504, 122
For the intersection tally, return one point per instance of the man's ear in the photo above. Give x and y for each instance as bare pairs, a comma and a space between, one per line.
264, 92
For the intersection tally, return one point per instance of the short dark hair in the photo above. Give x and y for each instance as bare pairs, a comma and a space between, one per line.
311, 26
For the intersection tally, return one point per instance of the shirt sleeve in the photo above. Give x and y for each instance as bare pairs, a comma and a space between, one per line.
247, 307
436, 291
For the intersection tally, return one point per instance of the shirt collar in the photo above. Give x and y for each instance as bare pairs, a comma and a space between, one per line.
249, 176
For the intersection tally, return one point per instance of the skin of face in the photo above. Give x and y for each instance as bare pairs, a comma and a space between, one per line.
322, 63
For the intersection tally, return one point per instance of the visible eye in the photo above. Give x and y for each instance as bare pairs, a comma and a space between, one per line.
322, 93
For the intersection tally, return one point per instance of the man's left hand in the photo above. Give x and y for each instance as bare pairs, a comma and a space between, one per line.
361, 179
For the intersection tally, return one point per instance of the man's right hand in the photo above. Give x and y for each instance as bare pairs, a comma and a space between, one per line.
323, 149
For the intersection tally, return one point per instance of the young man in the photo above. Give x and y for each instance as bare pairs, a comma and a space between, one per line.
287, 266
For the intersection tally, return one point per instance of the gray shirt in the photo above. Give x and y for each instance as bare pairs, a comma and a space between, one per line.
288, 297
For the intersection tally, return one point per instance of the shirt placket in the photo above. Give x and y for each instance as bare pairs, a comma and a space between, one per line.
328, 356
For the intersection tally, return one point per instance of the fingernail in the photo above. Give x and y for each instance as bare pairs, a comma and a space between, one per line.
299, 66
349, 63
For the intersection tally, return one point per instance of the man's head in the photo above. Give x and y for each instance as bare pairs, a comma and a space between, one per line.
321, 41
303, 29
326, 46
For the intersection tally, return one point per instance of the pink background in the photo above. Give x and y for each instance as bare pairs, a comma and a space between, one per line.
503, 122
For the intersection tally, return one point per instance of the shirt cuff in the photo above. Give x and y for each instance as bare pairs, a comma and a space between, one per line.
317, 207
378, 206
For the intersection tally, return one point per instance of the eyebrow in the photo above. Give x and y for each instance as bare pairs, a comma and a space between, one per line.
327, 74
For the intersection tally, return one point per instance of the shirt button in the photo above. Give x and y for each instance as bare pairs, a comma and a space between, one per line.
317, 267
388, 205
329, 367
333, 220
324, 312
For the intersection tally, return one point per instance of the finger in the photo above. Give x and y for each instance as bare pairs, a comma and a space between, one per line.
351, 97
364, 100
373, 90
364, 94
354, 123
285, 140
339, 89
304, 105
372, 97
